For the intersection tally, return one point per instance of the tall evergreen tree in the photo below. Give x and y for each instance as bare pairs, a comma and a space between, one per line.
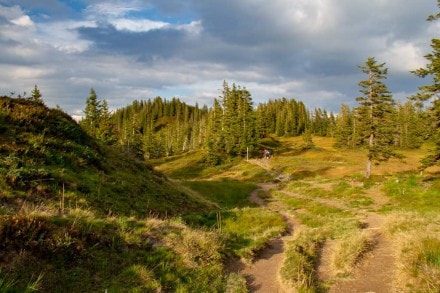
214, 137
92, 114
431, 93
376, 114
344, 128
106, 131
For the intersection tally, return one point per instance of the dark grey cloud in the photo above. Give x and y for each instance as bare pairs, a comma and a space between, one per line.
146, 45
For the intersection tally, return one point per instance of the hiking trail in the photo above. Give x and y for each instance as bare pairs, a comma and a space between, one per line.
373, 273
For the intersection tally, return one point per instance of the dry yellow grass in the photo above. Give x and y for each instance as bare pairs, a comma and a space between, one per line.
349, 250
417, 240
344, 162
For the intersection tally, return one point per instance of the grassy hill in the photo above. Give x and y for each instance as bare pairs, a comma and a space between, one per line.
78, 216
45, 154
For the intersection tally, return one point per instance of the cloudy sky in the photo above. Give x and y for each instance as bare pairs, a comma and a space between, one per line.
309, 50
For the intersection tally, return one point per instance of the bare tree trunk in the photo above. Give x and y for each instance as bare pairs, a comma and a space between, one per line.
368, 171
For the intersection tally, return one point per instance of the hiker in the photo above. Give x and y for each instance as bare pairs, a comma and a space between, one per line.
270, 154
267, 154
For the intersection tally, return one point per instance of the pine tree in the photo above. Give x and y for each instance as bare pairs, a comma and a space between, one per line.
411, 125
247, 123
431, 93
92, 114
376, 111
106, 131
36, 95
344, 128
214, 141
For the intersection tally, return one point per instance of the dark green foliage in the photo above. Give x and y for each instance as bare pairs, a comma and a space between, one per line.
232, 131
375, 114
411, 125
431, 93
231, 127
36, 95
157, 128
345, 128
97, 121
285, 117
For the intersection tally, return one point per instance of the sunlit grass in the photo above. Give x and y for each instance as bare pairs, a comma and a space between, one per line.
350, 249
249, 229
411, 192
416, 236
298, 269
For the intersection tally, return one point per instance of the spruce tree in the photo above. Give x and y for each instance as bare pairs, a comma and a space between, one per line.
92, 114
344, 128
36, 95
431, 93
376, 111
106, 131
411, 125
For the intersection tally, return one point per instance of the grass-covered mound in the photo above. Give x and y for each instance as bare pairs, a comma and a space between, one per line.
47, 159
78, 216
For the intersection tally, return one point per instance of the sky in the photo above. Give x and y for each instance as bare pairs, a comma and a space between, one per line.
309, 50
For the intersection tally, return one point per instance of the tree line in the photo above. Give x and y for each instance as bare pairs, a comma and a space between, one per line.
233, 126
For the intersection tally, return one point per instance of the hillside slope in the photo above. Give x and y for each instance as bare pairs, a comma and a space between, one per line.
44, 154
78, 216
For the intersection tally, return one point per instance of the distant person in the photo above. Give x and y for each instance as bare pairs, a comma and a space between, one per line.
267, 154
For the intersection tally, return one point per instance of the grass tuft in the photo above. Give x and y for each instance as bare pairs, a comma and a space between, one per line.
298, 270
350, 250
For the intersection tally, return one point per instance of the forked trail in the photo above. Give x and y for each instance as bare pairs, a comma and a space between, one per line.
373, 273
376, 271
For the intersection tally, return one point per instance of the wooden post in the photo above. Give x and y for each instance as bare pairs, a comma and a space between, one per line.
62, 202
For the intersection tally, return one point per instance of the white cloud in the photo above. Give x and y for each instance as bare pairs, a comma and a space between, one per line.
137, 25
403, 56
63, 36
114, 9
23, 20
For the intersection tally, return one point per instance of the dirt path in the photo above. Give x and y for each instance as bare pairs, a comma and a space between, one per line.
262, 274
374, 272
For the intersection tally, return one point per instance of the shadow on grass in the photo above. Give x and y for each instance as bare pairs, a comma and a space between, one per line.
226, 193
303, 174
